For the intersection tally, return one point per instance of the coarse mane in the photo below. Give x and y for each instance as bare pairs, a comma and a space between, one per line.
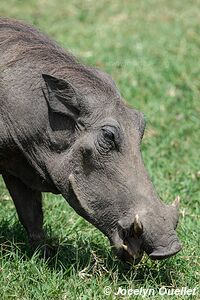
24, 42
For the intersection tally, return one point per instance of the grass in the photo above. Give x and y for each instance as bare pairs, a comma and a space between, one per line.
151, 49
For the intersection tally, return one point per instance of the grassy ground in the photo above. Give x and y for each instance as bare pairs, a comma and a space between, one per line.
151, 49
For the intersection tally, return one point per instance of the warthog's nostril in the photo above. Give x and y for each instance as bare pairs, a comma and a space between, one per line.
165, 253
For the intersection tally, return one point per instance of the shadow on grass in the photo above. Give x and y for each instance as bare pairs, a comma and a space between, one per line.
85, 255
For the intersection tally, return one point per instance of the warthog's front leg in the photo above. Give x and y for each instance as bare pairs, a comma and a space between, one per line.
28, 204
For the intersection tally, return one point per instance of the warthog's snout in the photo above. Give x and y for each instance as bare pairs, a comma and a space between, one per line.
157, 237
163, 253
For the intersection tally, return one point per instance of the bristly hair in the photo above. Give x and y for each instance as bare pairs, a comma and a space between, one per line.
23, 42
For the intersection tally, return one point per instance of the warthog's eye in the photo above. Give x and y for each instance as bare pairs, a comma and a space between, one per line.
108, 138
108, 134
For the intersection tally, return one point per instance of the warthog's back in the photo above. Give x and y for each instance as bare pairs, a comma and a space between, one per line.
24, 48
18, 41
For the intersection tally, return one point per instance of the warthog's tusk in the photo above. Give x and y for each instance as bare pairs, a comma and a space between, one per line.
137, 225
125, 247
176, 202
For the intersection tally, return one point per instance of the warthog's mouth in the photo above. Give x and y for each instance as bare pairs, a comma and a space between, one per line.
130, 244
129, 252
127, 240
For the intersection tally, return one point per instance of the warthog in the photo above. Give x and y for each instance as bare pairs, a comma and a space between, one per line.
64, 129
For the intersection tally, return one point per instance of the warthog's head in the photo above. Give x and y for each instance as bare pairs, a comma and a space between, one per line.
102, 173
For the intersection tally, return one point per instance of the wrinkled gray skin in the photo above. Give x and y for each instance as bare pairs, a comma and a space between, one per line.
64, 129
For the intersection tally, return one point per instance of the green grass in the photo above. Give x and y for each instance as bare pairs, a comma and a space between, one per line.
151, 49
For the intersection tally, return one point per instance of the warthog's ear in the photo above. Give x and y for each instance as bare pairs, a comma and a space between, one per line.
61, 97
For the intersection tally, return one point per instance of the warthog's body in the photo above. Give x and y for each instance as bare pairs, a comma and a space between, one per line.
64, 129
